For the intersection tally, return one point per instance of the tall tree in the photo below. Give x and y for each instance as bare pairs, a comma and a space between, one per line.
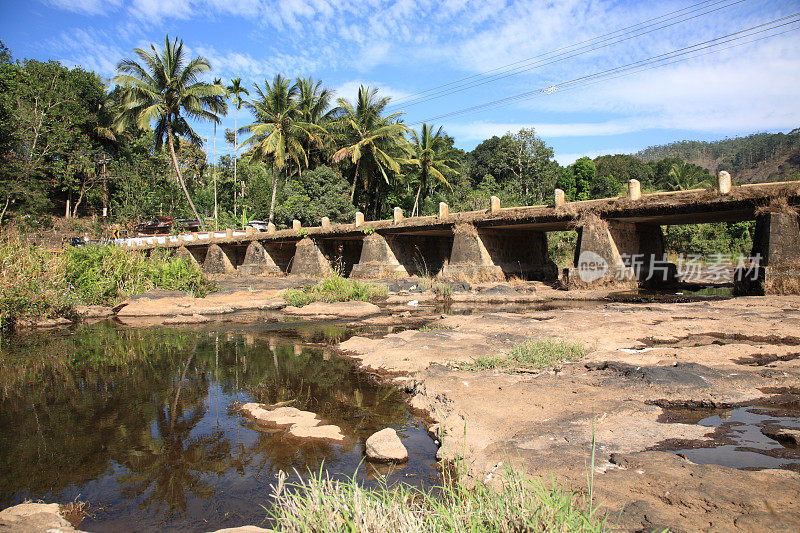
165, 89
373, 142
279, 132
431, 157
314, 106
684, 176
235, 89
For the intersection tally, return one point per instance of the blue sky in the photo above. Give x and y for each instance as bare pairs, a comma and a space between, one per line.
405, 46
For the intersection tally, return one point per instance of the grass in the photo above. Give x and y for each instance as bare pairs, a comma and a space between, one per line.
436, 327
36, 284
335, 288
321, 504
531, 354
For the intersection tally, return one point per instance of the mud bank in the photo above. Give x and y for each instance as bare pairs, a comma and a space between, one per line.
643, 358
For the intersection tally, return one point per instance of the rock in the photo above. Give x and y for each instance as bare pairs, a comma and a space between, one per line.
94, 311
187, 319
302, 424
339, 309
326, 432
34, 517
499, 289
273, 305
790, 436
435, 432
419, 402
385, 446
53, 322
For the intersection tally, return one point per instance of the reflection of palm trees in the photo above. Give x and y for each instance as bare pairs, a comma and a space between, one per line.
165, 466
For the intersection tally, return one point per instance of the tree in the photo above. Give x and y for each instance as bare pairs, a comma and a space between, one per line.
278, 132
165, 89
372, 142
314, 106
530, 160
236, 90
431, 157
684, 176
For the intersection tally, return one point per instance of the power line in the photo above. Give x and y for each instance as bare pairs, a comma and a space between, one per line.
566, 52
657, 61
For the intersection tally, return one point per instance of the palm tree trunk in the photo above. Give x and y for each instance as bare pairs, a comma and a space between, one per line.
235, 140
274, 191
355, 179
180, 177
415, 211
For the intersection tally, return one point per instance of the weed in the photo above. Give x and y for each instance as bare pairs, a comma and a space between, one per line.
531, 354
335, 288
519, 504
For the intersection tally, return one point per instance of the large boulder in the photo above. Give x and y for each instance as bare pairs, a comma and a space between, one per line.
34, 517
386, 446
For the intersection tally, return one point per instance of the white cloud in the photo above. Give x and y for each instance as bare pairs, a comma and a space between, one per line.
349, 90
89, 7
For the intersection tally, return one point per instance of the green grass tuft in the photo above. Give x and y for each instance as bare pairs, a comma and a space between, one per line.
531, 354
321, 504
335, 288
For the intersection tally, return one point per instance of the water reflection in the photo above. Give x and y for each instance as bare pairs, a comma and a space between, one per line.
142, 421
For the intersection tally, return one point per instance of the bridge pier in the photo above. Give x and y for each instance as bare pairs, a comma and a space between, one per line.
469, 258
184, 252
775, 263
309, 260
258, 262
217, 261
378, 259
611, 252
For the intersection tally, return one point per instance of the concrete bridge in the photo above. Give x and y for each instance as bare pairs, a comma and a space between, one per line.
620, 241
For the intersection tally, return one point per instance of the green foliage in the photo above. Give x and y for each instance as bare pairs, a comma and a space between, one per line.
107, 274
532, 354
729, 238
335, 288
561, 247
520, 504
33, 284
313, 195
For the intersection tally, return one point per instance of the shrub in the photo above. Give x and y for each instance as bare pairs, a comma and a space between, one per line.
335, 288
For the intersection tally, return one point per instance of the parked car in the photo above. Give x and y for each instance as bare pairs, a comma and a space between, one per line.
259, 225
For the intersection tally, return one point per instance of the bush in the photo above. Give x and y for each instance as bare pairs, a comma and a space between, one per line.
531, 354
33, 284
104, 275
335, 288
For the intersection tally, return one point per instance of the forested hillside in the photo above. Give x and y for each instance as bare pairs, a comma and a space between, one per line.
756, 158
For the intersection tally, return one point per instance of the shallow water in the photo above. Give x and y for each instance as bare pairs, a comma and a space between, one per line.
140, 421
739, 440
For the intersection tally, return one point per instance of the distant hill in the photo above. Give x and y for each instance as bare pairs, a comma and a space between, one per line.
753, 159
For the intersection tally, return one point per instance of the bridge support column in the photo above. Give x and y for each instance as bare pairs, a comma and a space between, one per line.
258, 262
309, 260
775, 263
184, 253
469, 258
217, 261
378, 260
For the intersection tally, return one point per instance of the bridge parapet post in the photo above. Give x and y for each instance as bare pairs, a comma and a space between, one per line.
325, 222
397, 215
560, 198
229, 233
359, 219
494, 204
270, 228
723, 182
444, 211
634, 190
296, 225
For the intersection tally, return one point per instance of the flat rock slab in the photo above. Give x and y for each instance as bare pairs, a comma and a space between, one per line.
34, 518
336, 310
386, 446
789, 436
187, 319
301, 424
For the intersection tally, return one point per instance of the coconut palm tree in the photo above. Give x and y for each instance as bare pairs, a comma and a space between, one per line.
314, 106
684, 176
166, 89
235, 89
370, 140
431, 158
279, 132
218, 81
